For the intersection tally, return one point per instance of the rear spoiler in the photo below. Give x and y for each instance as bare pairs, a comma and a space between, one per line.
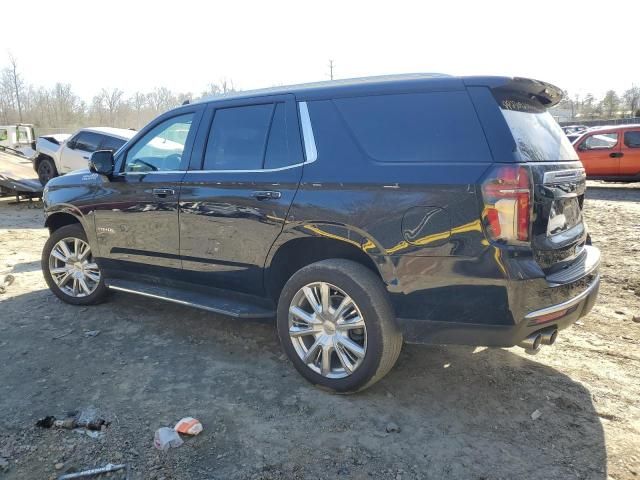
522, 94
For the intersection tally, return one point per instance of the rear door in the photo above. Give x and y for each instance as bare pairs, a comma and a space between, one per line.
236, 196
630, 159
600, 153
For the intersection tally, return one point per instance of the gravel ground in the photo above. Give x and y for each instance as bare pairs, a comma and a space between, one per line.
452, 412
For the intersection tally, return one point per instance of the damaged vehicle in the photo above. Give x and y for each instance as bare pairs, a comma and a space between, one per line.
360, 214
58, 154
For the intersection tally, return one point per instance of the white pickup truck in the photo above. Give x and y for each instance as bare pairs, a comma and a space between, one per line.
60, 154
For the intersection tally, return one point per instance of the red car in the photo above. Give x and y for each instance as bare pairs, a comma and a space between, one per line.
611, 153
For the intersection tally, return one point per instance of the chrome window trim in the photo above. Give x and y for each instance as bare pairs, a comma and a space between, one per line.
163, 172
310, 150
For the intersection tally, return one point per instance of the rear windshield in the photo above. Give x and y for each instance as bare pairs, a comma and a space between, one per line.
538, 136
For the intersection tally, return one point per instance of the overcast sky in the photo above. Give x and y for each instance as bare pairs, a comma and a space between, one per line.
185, 44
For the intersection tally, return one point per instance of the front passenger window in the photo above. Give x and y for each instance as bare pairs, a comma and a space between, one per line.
161, 148
600, 141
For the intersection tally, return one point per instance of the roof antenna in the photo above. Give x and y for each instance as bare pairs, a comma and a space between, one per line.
186, 102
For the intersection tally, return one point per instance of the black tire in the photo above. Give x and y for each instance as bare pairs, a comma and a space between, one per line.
384, 339
70, 231
46, 170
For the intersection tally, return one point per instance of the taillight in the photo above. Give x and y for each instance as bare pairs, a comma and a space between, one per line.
507, 203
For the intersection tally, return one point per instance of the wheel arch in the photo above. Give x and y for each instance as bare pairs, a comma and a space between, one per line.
305, 244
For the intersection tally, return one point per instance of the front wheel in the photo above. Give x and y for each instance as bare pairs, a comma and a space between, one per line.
70, 269
336, 324
46, 170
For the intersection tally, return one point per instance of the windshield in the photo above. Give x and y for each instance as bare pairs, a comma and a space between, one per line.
538, 136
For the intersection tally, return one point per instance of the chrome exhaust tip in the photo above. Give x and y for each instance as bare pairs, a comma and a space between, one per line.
549, 336
532, 343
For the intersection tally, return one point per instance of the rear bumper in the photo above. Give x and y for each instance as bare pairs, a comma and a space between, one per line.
572, 301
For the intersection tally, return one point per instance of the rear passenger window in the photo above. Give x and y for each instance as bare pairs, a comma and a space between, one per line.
238, 137
277, 147
632, 139
112, 143
88, 141
419, 127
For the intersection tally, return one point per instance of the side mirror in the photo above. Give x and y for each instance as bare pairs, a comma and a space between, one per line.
71, 144
102, 162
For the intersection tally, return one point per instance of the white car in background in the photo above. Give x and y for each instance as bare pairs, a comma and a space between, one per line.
60, 154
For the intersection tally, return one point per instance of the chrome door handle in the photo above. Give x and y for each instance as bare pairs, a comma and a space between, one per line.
163, 192
266, 194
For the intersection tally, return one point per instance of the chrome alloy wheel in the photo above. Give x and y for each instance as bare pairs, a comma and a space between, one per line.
72, 268
327, 330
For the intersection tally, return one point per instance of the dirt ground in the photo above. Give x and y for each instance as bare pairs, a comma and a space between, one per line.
461, 412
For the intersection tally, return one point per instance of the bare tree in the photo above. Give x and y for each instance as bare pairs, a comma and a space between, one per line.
17, 83
610, 103
631, 99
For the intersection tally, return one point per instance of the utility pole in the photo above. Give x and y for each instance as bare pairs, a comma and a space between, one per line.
331, 69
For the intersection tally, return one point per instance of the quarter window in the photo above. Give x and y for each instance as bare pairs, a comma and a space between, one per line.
161, 148
632, 139
420, 127
238, 137
600, 141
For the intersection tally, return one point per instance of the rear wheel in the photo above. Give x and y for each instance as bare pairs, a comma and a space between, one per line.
46, 170
70, 269
337, 326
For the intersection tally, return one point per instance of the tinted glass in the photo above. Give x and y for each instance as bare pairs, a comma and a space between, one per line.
3, 135
237, 138
161, 148
277, 147
600, 141
632, 139
88, 141
421, 127
112, 143
538, 136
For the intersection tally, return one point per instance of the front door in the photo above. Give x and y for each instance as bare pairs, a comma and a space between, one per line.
600, 153
236, 196
136, 212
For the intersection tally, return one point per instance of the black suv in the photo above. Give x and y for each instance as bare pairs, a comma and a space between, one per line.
360, 214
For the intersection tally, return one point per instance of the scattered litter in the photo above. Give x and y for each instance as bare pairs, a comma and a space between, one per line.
90, 433
636, 318
96, 471
166, 438
536, 415
63, 334
87, 421
59, 466
392, 428
91, 333
8, 280
188, 426
580, 323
